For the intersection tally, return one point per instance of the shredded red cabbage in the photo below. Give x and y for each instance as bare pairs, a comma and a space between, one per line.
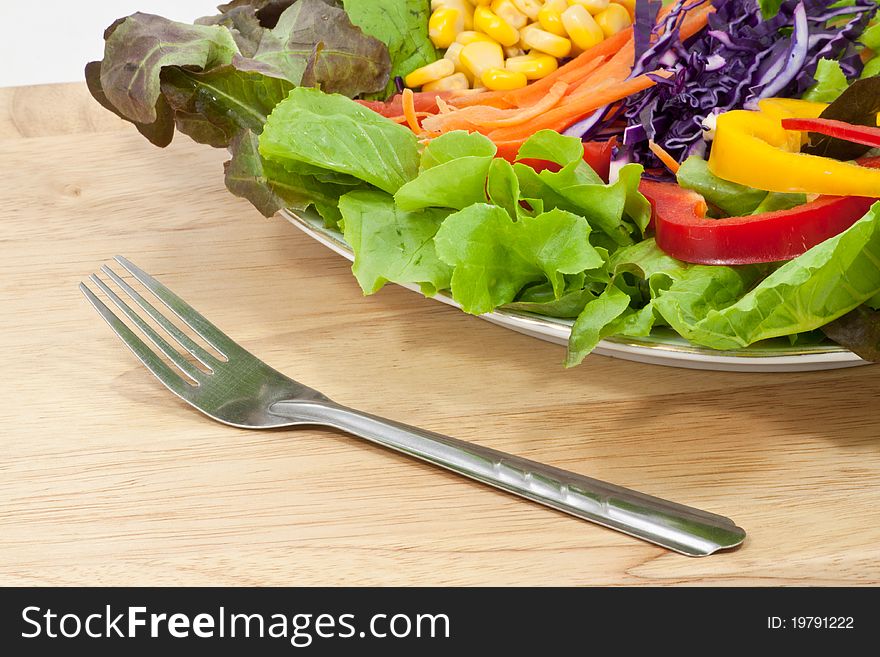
739, 59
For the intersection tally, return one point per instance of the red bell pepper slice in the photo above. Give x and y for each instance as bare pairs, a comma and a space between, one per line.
857, 134
683, 231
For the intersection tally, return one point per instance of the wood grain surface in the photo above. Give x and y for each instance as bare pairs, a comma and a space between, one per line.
106, 478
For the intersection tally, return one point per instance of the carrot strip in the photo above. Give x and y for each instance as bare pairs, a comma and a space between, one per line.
576, 108
403, 119
409, 111
557, 91
664, 156
487, 98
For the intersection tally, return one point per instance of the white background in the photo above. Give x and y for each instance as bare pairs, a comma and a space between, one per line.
51, 40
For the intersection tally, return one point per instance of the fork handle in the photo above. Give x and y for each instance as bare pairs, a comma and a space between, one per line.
674, 526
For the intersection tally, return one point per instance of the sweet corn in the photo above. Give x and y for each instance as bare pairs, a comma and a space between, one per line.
453, 53
507, 11
452, 82
613, 20
465, 7
483, 3
514, 51
534, 38
629, 5
592, 6
529, 7
499, 79
534, 66
444, 25
582, 27
469, 36
478, 56
429, 73
550, 16
488, 22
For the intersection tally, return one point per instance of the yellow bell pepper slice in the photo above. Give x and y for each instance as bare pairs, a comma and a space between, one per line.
753, 149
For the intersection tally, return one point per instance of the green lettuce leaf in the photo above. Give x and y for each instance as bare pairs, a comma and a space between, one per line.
872, 68
502, 188
332, 132
596, 321
720, 308
769, 8
402, 25
493, 257
871, 37
541, 300
270, 187
391, 244
616, 209
554, 147
830, 82
448, 178
730, 198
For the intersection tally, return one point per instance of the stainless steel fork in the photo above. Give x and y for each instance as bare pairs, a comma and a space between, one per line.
240, 390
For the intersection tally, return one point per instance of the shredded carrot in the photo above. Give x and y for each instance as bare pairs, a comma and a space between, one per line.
517, 117
443, 107
575, 108
480, 118
469, 97
409, 111
664, 156
403, 119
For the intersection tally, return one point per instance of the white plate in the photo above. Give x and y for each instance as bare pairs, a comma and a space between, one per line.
660, 348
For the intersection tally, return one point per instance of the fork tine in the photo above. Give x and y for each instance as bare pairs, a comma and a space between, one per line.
182, 338
212, 335
173, 355
140, 348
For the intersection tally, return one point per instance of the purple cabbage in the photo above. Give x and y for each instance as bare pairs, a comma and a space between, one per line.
738, 60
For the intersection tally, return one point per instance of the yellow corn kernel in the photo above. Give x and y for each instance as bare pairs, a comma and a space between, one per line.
582, 27
453, 53
444, 25
481, 55
481, 3
488, 22
507, 11
534, 66
469, 36
453, 82
514, 51
613, 20
550, 16
629, 5
465, 7
592, 6
534, 38
429, 73
529, 7
499, 79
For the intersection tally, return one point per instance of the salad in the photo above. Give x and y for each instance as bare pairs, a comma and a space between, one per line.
708, 166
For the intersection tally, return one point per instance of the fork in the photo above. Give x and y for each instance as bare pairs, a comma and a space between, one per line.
238, 389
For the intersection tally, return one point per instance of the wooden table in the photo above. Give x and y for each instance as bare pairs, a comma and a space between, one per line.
106, 478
